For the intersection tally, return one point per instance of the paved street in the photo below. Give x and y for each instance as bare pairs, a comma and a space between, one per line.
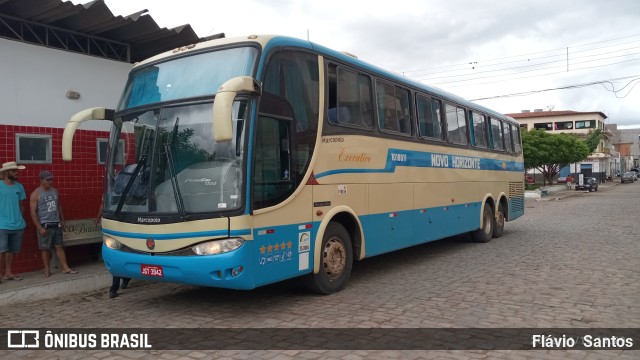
568, 263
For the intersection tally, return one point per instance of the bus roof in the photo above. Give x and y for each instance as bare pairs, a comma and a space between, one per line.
269, 41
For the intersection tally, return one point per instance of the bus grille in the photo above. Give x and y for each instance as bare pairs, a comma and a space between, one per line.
516, 189
516, 199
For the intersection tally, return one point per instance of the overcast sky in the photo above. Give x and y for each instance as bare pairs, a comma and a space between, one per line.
476, 49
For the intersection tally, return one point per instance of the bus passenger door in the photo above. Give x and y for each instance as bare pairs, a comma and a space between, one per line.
284, 140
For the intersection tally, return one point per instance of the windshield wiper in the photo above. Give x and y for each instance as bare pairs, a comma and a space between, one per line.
136, 171
174, 183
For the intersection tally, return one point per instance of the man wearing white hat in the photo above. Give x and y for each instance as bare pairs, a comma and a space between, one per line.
12, 223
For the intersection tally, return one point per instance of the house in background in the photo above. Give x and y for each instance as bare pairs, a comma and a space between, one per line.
57, 59
600, 163
627, 144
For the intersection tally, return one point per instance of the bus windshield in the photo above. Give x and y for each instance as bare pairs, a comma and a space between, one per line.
177, 168
191, 76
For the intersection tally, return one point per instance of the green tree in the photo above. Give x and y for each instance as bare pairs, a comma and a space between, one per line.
548, 153
593, 139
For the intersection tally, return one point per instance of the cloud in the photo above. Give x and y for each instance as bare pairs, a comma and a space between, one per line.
408, 35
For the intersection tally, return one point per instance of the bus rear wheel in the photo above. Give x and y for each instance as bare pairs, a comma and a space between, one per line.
498, 229
336, 261
485, 233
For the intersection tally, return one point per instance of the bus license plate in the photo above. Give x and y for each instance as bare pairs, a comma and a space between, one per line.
151, 270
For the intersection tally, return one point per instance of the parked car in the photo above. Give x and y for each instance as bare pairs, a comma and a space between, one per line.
589, 183
529, 179
565, 179
629, 176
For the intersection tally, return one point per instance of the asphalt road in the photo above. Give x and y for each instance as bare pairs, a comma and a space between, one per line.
572, 263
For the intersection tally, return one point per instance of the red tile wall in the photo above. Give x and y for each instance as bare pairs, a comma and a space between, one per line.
79, 182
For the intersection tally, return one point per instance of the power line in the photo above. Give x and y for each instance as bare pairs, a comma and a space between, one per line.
526, 54
567, 61
525, 77
613, 88
573, 86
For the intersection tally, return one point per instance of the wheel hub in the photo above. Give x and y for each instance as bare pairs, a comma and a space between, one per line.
334, 258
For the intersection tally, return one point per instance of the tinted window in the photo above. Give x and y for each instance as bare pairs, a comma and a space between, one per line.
506, 132
564, 125
33, 149
429, 121
515, 135
496, 134
588, 124
543, 126
479, 130
349, 98
456, 125
393, 108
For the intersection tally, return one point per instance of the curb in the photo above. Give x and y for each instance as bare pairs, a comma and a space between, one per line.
56, 289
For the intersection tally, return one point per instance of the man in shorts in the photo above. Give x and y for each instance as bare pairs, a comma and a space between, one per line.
46, 214
12, 223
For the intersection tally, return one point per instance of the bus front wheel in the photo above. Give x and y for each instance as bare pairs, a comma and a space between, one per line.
336, 260
485, 233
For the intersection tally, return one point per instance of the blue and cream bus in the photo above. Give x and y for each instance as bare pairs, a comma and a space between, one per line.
257, 159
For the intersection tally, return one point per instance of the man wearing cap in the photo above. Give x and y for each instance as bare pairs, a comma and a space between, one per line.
12, 223
46, 214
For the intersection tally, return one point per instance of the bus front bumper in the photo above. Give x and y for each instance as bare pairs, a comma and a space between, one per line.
230, 270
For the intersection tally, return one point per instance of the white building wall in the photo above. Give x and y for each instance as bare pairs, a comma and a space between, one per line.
36, 79
529, 122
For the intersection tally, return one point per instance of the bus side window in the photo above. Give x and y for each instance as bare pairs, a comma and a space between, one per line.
506, 131
429, 122
349, 98
515, 134
479, 129
456, 125
393, 108
403, 110
366, 105
496, 135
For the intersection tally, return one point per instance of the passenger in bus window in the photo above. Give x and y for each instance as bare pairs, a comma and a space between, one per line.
391, 122
340, 115
367, 119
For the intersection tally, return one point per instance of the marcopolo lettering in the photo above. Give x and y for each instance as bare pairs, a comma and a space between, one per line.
148, 220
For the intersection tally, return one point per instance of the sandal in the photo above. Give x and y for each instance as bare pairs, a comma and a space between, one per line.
46, 275
70, 272
14, 277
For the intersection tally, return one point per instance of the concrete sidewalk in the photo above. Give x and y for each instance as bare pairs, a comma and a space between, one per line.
559, 192
90, 276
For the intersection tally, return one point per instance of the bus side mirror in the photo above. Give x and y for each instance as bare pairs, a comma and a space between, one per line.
223, 105
98, 113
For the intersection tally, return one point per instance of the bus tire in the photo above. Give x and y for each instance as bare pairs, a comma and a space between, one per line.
484, 234
498, 228
336, 261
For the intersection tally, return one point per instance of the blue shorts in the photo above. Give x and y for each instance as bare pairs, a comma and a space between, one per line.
53, 237
10, 241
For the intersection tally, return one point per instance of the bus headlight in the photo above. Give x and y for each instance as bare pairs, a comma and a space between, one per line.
111, 243
217, 246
